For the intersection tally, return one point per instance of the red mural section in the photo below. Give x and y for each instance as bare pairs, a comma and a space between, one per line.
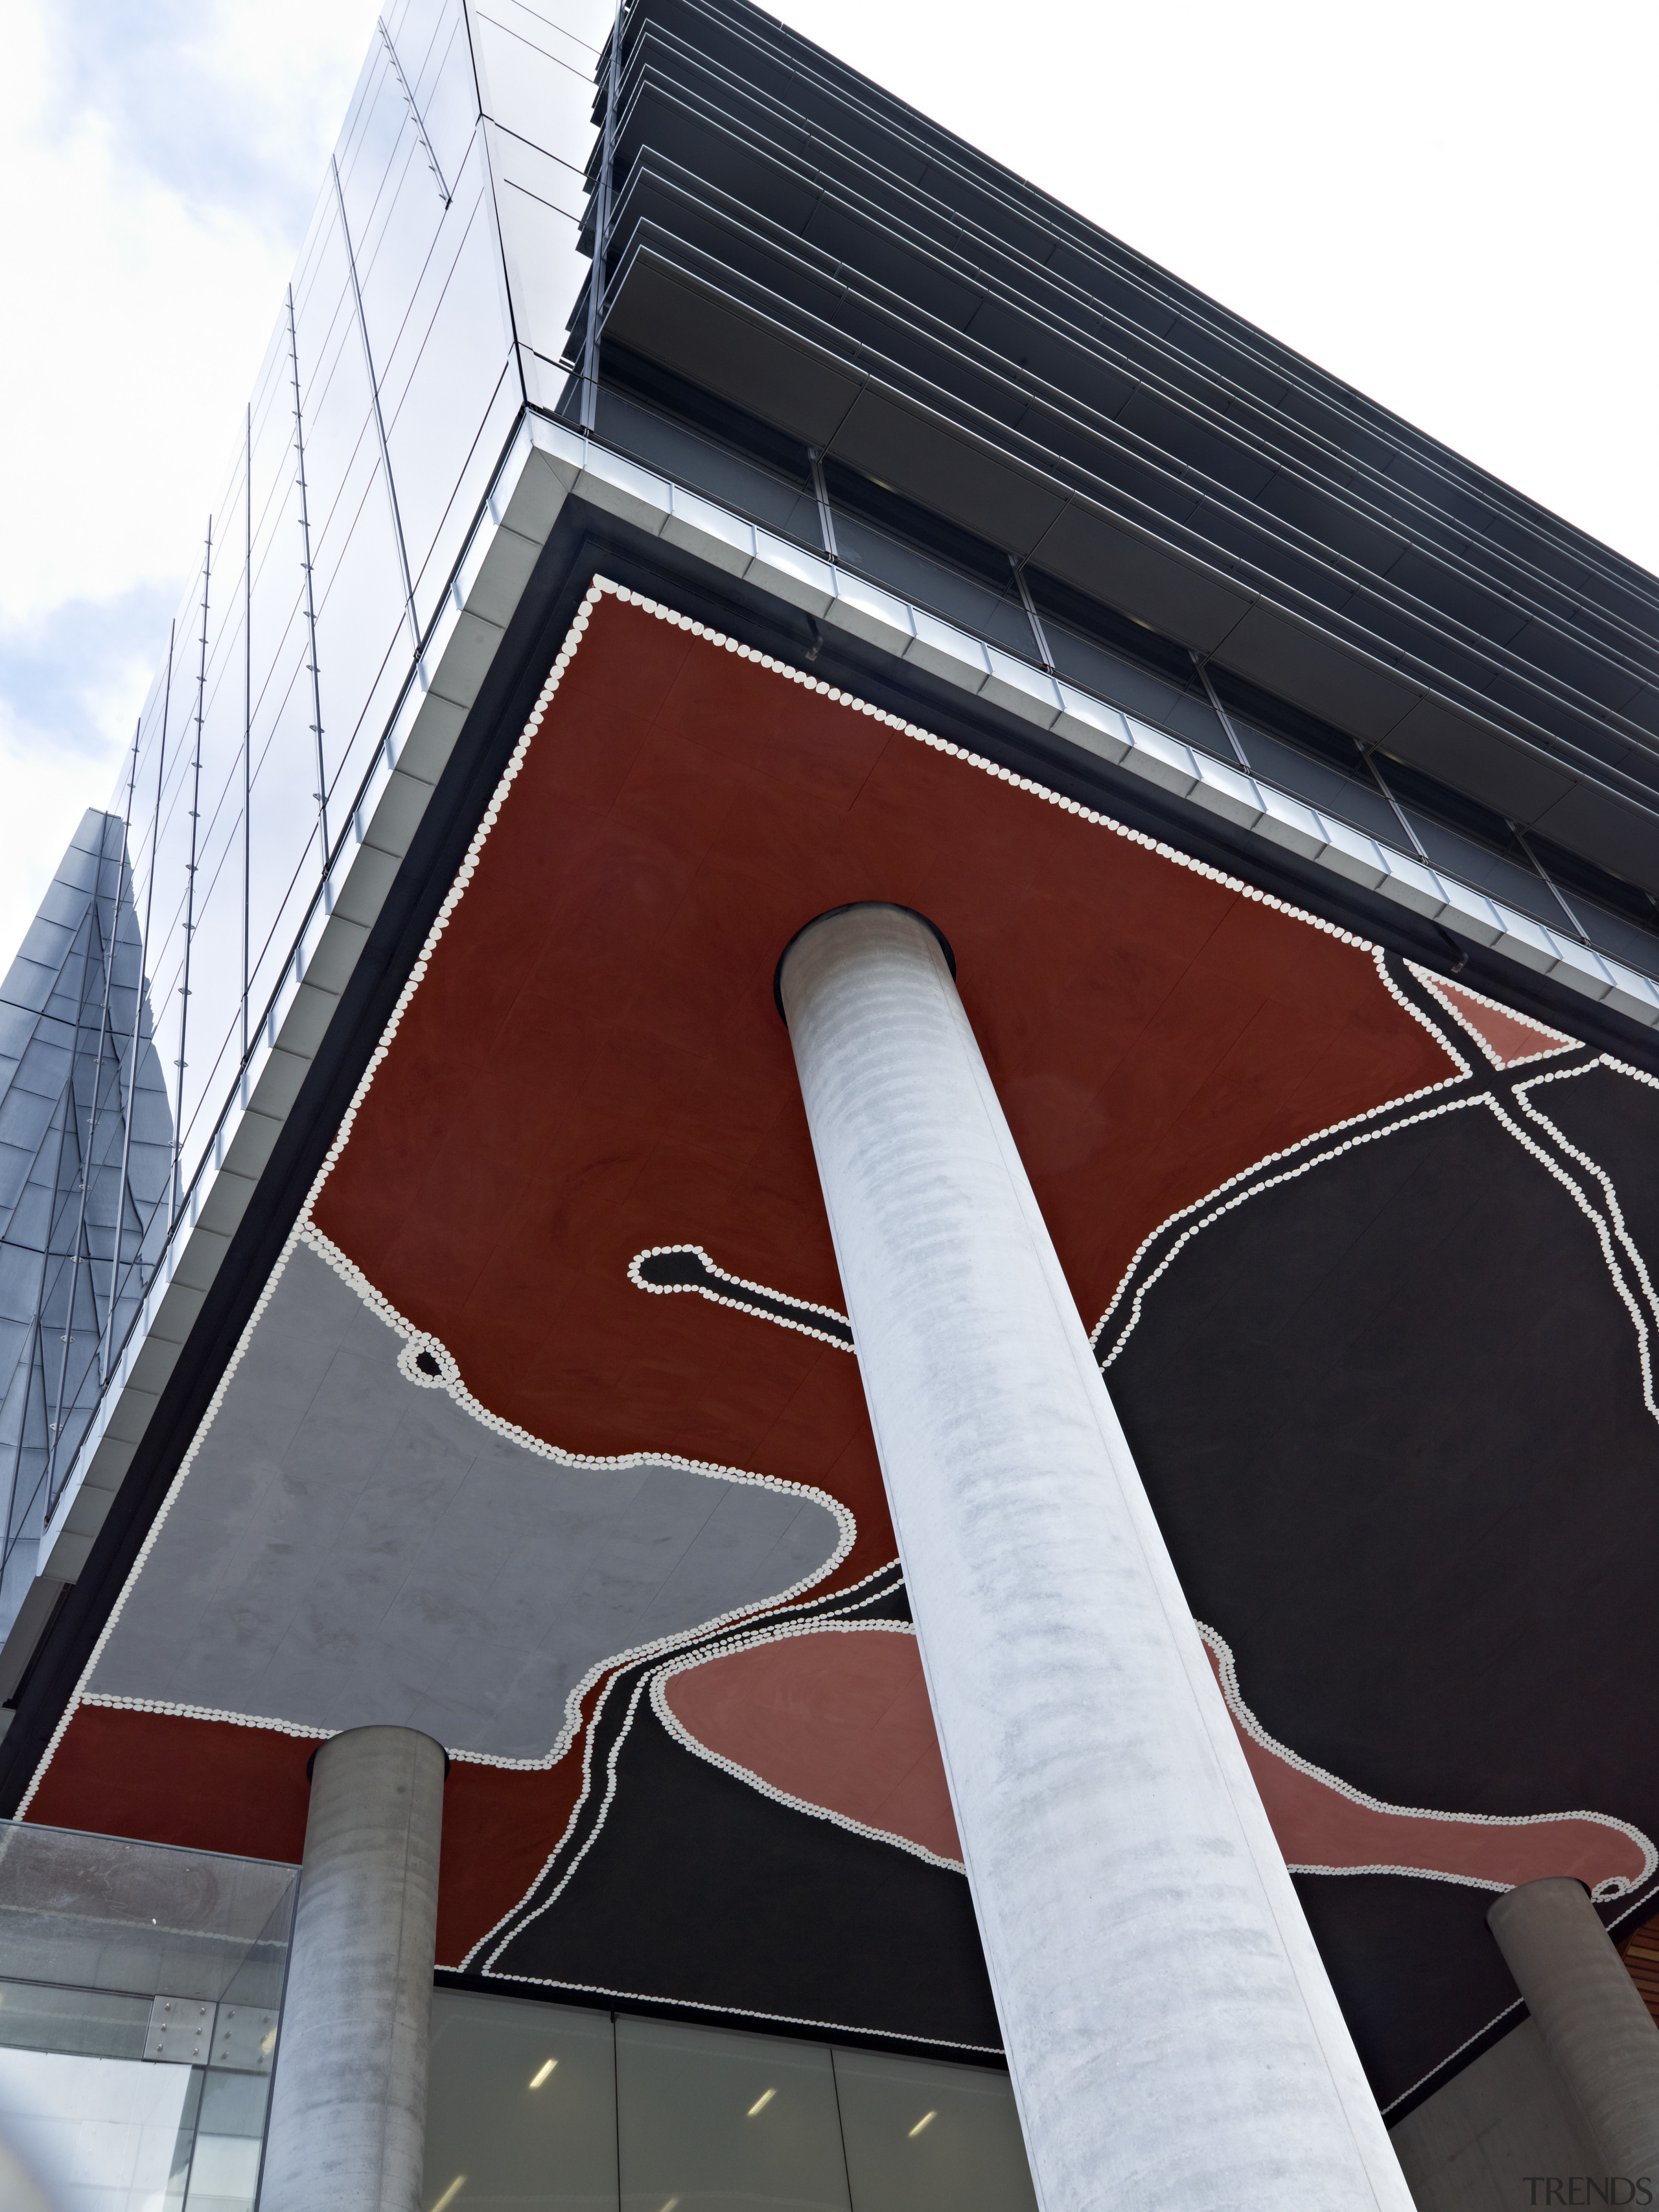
837, 1719
594, 1065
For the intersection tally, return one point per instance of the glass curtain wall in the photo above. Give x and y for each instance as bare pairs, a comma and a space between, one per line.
543, 2107
140, 1994
441, 250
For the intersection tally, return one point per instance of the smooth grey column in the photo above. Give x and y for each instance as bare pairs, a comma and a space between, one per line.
348, 2105
1172, 2036
1596, 2027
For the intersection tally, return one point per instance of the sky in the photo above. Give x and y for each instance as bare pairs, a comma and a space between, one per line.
1447, 202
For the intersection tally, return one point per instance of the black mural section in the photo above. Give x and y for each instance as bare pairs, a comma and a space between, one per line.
1390, 1408
1390, 1414
701, 1889
683, 1885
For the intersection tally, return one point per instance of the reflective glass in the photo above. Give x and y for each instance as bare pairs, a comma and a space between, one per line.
109, 1947
925, 2137
1612, 932
448, 365
372, 157
706, 2119
698, 463
100, 2132
521, 2107
575, 30
447, 91
284, 819
1494, 872
1179, 706
533, 82
997, 614
361, 614
1351, 794
96, 2023
538, 238
395, 246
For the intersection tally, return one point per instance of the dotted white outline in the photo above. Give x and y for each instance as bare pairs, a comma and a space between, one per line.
449, 1380
1614, 1886
725, 1650
1643, 1339
1290, 1151
1439, 986
601, 587
604, 586
1565, 1075
586, 1791
1268, 1182
739, 1305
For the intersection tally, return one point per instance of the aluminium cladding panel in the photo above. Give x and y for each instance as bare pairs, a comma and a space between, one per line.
1311, 561
993, 229
684, 316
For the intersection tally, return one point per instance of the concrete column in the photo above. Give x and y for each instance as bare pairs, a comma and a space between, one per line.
1596, 2027
1173, 2038
347, 2106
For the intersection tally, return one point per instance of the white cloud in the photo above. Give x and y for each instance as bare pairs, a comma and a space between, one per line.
164, 162
1446, 203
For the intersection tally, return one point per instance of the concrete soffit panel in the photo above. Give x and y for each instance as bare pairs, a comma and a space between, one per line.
545, 465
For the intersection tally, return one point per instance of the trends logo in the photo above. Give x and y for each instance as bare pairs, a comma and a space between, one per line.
1589, 2189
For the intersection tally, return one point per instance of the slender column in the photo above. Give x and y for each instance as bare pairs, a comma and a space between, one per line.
348, 2108
1173, 2039
1596, 2027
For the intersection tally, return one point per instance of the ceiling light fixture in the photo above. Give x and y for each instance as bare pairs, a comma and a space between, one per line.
542, 2073
922, 2123
761, 2102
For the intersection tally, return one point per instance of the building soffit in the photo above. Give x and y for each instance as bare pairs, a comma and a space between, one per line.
545, 465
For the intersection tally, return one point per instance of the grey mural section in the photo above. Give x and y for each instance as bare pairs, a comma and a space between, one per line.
358, 1549
86, 1158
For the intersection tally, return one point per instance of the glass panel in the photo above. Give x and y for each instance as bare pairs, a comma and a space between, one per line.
464, 501
521, 2107
1612, 932
97, 2023
438, 388
925, 2137
996, 615
702, 465
395, 246
708, 2119
538, 237
1476, 864
530, 87
447, 91
1349, 792
100, 2132
144, 2089
1179, 706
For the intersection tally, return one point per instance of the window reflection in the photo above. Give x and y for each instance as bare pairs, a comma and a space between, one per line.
541, 2105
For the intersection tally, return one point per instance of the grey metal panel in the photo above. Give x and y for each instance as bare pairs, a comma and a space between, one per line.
671, 317
897, 444
353, 1549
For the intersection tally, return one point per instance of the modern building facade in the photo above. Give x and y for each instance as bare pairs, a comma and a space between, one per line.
830, 1229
